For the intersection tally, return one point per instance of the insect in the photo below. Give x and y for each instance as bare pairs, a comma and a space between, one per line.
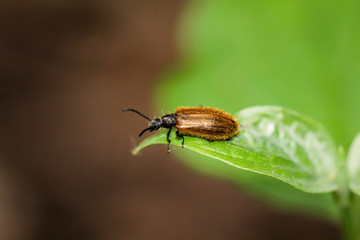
206, 122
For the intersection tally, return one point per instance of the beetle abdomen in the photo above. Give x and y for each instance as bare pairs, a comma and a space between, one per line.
206, 122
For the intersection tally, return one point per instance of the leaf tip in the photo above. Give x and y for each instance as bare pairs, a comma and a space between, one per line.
136, 150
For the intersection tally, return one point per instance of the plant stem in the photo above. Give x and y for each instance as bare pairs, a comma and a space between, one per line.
346, 203
347, 223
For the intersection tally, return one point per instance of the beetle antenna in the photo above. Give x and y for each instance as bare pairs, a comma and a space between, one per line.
149, 128
136, 111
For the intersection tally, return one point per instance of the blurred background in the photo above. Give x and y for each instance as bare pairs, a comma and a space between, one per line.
68, 68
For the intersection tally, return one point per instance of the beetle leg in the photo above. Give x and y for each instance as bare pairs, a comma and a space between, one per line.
181, 136
168, 139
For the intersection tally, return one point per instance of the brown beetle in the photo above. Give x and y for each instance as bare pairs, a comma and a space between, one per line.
205, 122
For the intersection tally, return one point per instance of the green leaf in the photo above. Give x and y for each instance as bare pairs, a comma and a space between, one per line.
276, 142
353, 165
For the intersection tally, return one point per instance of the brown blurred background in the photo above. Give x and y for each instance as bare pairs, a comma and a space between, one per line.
67, 69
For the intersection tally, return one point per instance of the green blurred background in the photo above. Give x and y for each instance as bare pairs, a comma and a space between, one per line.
68, 68
303, 55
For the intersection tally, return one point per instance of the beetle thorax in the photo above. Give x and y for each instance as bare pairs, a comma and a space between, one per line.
168, 121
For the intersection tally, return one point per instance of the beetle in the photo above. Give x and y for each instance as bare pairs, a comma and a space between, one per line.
212, 124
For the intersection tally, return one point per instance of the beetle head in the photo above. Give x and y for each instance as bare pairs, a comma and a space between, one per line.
154, 124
